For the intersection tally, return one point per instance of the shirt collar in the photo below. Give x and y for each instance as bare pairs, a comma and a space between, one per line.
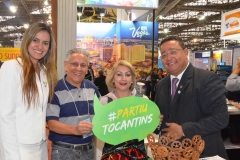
70, 85
180, 75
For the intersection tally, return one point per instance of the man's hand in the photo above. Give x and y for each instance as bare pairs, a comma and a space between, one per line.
84, 127
175, 129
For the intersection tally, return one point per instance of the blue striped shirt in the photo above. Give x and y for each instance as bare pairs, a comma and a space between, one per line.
63, 109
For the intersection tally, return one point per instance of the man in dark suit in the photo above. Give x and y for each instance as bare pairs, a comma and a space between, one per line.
100, 83
198, 106
90, 73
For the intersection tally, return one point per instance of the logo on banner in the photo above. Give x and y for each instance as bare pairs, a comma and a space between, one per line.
108, 41
141, 31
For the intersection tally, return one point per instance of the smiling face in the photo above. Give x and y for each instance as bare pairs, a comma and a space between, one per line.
123, 78
174, 64
76, 68
39, 46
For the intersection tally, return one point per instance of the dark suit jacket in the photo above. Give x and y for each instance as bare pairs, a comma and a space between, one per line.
89, 76
101, 85
199, 106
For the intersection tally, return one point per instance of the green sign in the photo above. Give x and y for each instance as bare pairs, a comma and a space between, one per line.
125, 119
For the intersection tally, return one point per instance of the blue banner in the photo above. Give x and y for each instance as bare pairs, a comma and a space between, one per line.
124, 30
138, 30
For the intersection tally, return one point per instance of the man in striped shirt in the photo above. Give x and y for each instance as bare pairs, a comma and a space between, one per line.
70, 112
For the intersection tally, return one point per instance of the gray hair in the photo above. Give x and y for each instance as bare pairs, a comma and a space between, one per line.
77, 50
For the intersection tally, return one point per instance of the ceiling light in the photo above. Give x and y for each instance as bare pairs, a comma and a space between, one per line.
160, 17
165, 30
13, 9
102, 14
45, 3
79, 14
49, 16
200, 16
195, 40
26, 26
49, 22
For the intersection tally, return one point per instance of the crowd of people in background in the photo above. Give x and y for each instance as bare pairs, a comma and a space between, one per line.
149, 79
30, 84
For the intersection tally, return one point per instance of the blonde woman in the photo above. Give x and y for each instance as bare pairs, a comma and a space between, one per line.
122, 79
26, 83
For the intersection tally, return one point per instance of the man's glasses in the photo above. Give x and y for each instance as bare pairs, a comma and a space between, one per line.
172, 52
75, 65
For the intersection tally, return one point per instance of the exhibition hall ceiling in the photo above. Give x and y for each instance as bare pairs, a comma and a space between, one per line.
175, 17
27, 12
183, 18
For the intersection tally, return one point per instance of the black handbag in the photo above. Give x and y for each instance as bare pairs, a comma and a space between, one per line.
128, 151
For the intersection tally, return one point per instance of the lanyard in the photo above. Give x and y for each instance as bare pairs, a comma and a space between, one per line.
73, 98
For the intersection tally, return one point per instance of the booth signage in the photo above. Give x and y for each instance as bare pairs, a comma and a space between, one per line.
230, 23
137, 30
120, 3
206, 54
9, 53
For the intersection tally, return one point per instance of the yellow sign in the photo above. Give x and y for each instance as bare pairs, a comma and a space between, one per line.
9, 53
217, 56
230, 24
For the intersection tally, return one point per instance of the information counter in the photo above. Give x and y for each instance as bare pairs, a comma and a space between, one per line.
232, 110
232, 149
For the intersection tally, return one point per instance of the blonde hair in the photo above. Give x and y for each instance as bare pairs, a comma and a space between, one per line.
48, 63
110, 76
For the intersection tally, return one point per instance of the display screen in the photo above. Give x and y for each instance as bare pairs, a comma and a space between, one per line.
120, 3
222, 63
205, 60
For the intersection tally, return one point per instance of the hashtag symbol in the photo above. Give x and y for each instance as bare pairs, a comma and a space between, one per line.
112, 116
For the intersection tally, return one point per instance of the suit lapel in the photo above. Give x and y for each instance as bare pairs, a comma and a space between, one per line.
167, 90
184, 82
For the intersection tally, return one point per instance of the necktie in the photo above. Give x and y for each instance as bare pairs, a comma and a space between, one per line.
174, 86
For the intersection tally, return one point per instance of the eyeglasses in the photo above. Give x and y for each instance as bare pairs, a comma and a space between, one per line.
75, 65
172, 52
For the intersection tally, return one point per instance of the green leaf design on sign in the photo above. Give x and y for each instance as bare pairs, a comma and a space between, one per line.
125, 119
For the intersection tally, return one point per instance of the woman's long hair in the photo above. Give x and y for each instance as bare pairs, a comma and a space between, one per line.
48, 63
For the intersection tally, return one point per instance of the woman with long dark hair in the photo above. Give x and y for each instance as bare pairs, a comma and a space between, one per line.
26, 83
